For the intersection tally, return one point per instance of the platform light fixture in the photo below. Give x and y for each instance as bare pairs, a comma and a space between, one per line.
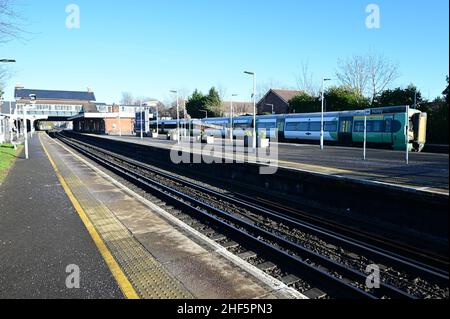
204, 111
178, 116
232, 116
273, 108
322, 124
254, 106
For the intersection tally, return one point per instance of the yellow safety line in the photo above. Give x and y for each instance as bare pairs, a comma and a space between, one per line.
123, 282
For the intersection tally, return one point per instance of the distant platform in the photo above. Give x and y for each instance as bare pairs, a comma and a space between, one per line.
426, 172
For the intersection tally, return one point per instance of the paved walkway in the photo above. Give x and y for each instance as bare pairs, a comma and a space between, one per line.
41, 234
159, 255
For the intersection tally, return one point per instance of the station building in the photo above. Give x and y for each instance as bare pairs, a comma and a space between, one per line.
55, 103
106, 119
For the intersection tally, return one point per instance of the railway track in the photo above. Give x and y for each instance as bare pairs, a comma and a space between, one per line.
297, 245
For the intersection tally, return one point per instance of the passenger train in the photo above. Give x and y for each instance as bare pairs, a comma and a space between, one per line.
386, 127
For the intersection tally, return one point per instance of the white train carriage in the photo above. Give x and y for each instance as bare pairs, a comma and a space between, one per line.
217, 127
242, 125
268, 126
308, 127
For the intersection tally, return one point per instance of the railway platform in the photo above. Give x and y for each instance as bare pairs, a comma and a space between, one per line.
58, 209
426, 172
41, 235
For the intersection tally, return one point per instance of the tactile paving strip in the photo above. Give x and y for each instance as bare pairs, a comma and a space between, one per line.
146, 274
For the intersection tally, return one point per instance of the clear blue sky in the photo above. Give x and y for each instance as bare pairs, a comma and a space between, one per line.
151, 47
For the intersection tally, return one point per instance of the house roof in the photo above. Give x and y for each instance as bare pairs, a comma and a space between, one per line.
54, 95
285, 95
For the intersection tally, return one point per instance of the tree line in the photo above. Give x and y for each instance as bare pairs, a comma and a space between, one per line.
343, 98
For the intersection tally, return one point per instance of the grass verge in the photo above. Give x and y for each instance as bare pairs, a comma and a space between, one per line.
7, 157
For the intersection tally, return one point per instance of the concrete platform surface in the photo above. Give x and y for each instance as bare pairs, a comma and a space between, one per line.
41, 234
161, 257
426, 171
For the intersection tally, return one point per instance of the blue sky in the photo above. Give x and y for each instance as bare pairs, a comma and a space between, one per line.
150, 47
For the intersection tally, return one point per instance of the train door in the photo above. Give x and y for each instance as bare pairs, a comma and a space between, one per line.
280, 129
346, 130
388, 129
419, 121
315, 129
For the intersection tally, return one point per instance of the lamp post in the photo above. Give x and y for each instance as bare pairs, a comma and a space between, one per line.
407, 134
178, 116
232, 116
206, 112
254, 106
140, 116
185, 128
157, 120
120, 122
322, 128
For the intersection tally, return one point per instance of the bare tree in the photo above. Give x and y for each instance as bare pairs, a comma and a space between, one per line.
265, 86
368, 74
9, 26
222, 91
8, 30
353, 72
127, 98
382, 73
305, 80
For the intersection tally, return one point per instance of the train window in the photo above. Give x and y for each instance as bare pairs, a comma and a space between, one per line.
359, 127
396, 126
241, 125
388, 126
267, 125
330, 127
291, 127
262, 125
315, 126
303, 127
372, 126
377, 126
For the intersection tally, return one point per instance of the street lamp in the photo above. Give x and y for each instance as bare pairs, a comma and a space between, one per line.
120, 122
232, 116
272, 108
186, 126
7, 61
322, 129
206, 112
140, 117
178, 116
254, 106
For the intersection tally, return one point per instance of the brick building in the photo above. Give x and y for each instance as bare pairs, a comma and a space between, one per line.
276, 101
108, 120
